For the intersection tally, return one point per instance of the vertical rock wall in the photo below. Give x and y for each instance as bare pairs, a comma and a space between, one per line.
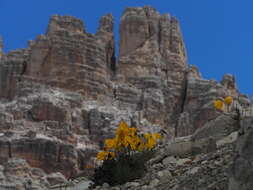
153, 61
66, 87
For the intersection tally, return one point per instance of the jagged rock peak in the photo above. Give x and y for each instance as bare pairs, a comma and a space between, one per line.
145, 11
106, 23
194, 72
140, 24
228, 81
68, 23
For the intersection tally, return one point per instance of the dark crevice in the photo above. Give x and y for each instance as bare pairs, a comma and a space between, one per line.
171, 32
140, 103
48, 55
59, 155
9, 150
159, 36
23, 71
113, 63
183, 100
24, 64
88, 124
184, 93
31, 117
114, 94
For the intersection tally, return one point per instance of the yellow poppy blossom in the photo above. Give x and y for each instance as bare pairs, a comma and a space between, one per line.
122, 130
127, 141
111, 155
218, 104
228, 100
132, 131
147, 136
157, 136
150, 143
140, 146
110, 144
102, 155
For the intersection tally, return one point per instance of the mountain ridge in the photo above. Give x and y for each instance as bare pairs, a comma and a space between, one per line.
64, 93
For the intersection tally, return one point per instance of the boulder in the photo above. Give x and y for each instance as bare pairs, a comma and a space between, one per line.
241, 172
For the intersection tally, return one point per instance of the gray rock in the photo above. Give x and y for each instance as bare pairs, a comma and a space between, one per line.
241, 173
56, 178
169, 160
193, 170
183, 161
218, 128
228, 140
105, 185
154, 183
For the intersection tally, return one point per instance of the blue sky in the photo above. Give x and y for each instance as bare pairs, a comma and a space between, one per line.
218, 33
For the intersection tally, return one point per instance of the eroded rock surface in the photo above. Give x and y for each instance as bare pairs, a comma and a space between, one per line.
241, 172
64, 94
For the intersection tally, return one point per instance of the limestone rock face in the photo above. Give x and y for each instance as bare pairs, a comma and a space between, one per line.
241, 173
153, 61
12, 66
42, 153
18, 174
85, 60
65, 23
200, 94
64, 94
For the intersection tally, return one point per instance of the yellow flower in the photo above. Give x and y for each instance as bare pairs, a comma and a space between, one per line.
150, 143
122, 130
132, 131
102, 155
147, 136
123, 126
110, 144
228, 100
218, 104
127, 141
157, 136
111, 155
140, 146
135, 141
105, 155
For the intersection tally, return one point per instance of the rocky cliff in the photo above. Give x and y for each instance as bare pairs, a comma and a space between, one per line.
66, 92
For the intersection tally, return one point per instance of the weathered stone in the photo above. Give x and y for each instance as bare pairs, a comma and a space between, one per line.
56, 178
228, 139
169, 160
218, 128
198, 106
42, 153
241, 173
6, 121
65, 23
43, 111
64, 94
152, 59
12, 66
228, 81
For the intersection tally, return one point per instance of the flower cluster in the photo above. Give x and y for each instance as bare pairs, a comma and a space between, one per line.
127, 141
219, 104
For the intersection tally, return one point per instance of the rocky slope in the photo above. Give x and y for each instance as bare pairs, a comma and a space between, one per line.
65, 93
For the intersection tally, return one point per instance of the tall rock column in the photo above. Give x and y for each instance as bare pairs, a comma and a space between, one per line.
106, 36
152, 62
